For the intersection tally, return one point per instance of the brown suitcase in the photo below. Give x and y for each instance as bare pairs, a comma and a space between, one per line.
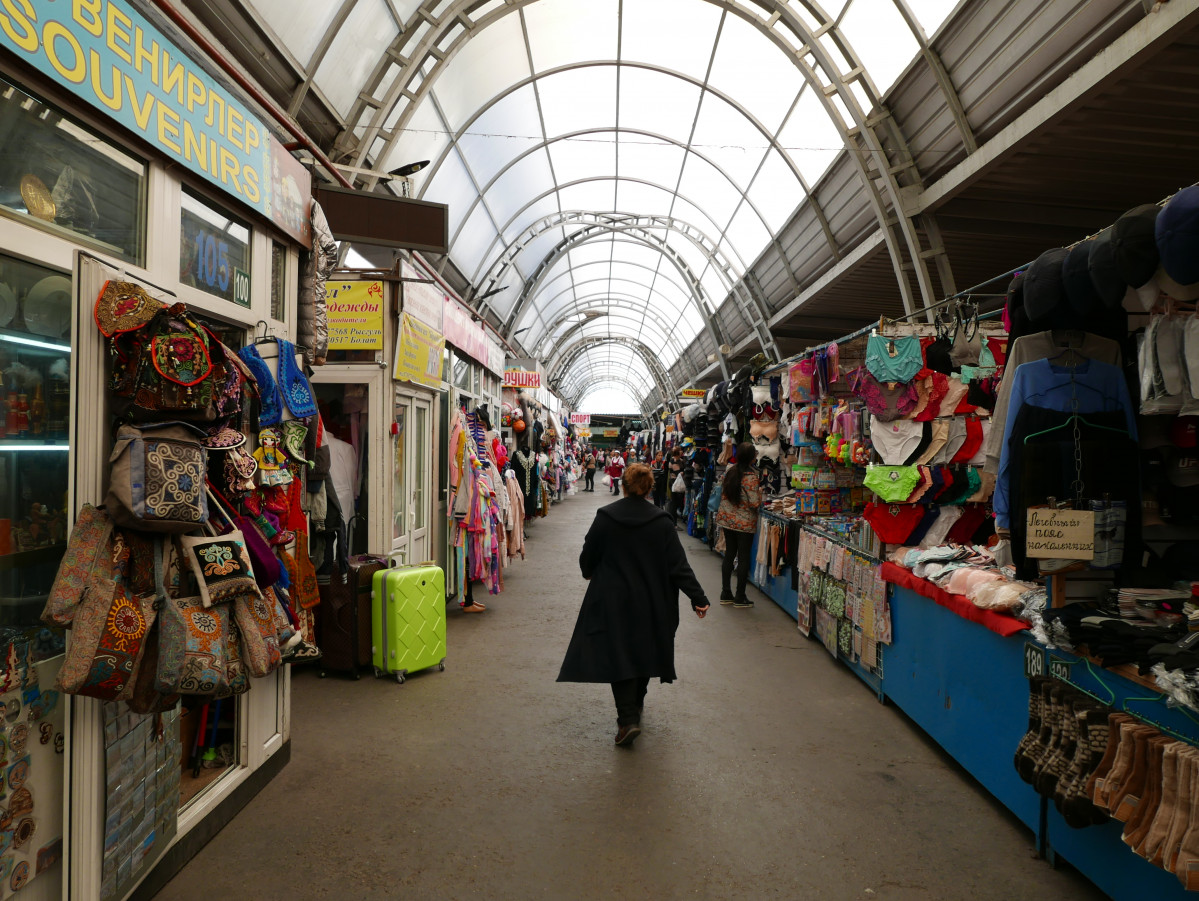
344, 618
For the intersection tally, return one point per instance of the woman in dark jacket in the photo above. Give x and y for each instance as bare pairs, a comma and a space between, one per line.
625, 632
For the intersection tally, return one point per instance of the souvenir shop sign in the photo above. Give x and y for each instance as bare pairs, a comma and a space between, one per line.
108, 54
1061, 534
466, 335
418, 353
580, 419
355, 315
423, 300
521, 378
610, 433
692, 394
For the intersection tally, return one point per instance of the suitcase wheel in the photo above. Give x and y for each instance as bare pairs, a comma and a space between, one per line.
441, 667
321, 674
378, 672
399, 678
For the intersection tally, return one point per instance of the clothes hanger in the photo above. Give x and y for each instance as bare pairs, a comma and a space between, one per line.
1161, 699
1069, 422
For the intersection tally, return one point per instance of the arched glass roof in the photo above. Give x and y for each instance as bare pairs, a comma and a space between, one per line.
696, 126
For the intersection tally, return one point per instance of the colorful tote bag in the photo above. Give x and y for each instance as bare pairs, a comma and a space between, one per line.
156, 481
192, 650
221, 566
108, 638
93, 561
255, 620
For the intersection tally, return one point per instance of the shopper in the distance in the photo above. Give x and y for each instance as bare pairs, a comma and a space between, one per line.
738, 517
678, 495
658, 468
625, 631
615, 470
589, 469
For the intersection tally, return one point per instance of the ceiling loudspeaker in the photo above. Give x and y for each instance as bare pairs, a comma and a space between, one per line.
726, 349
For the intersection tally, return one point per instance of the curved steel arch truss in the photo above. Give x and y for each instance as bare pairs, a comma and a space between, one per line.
643, 230
568, 355
575, 394
609, 299
452, 26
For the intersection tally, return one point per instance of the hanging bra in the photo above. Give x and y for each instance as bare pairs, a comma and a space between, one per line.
894, 359
886, 403
893, 484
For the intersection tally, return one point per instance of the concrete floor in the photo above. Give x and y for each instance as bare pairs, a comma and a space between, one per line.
766, 771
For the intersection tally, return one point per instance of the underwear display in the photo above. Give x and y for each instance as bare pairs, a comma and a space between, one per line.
893, 523
893, 484
896, 441
940, 434
894, 359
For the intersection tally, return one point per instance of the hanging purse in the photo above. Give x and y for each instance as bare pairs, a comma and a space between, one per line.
108, 638
192, 649
263, 562
89, 564
255, 621
156, 480
221, 566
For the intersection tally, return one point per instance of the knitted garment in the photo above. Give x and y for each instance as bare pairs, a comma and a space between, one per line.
293, 384
272, 402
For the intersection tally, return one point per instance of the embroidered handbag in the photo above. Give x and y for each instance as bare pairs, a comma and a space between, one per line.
89, 564
238, 681
255, 621
156, 480
193, 647
221, 566
164, 368
108, 638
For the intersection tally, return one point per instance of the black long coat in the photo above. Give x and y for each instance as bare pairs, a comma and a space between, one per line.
637, 567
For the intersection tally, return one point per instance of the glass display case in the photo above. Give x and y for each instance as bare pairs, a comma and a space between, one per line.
35, 412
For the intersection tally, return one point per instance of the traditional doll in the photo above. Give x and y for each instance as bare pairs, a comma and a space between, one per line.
272, 463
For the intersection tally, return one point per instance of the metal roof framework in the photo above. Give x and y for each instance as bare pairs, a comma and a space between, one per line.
731, 205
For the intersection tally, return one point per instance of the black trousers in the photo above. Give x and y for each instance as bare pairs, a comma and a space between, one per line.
736, 545
590, 483
676, 505
630, 698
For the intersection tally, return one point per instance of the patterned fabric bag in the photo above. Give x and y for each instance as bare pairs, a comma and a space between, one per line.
163, 369
92, 562
146, 698
156, 480
255, 621
193, 647
108, 639
239, 680
221, 566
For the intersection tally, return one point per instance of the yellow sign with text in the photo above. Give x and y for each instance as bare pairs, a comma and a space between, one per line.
354, 312
418, 353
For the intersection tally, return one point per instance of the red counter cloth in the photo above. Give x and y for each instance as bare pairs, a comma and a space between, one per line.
1000, 623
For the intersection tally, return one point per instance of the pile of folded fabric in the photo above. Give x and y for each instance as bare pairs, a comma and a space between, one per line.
968, 571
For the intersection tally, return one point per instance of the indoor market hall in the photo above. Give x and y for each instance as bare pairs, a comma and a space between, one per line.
766, 770
506, 449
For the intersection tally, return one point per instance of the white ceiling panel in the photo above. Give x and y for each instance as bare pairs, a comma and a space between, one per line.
581, 157
489, 62
677, 34
740, 41
657, 103
562, 32
578, 99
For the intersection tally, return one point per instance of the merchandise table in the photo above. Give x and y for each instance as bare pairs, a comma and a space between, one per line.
966, 686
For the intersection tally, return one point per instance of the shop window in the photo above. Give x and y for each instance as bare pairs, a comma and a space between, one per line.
65, 178
462, 374
278, 280
214, 251
35, 359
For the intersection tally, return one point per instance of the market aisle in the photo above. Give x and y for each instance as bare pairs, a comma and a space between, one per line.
766, 771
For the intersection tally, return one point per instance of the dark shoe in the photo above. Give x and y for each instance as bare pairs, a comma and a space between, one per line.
726, 597
742, 601
626, 735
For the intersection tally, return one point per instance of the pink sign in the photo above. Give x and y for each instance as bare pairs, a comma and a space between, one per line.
466, 335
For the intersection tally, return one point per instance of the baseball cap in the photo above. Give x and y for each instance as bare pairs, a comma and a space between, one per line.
1184, 431
1182, 469
1177, 234
1076, 280
1043, 290
1135, 244
1102, 269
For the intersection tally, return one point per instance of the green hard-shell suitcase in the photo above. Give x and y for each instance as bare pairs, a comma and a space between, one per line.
408, 620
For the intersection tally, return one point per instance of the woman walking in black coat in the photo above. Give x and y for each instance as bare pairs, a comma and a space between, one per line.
625, 632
